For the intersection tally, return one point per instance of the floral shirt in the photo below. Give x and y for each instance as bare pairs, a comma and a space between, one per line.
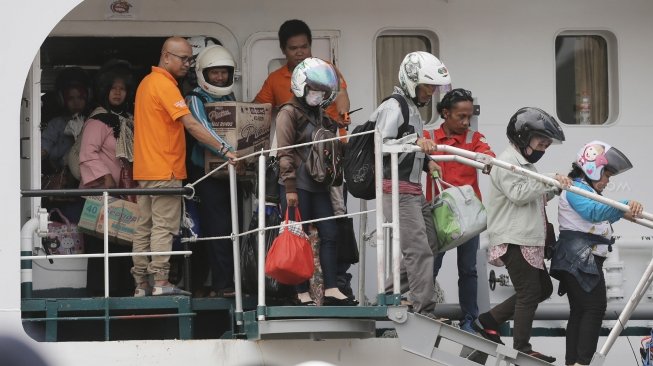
533, 255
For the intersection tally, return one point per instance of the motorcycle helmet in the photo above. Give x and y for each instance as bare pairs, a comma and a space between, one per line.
528, 122
595, 156
422, 68
210, 57
317, 75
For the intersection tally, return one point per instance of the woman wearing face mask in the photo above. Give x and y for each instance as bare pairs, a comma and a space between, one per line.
517, 227
314, 84
584, 243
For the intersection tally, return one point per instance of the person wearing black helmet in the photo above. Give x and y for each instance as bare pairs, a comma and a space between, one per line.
584, 243
516, 226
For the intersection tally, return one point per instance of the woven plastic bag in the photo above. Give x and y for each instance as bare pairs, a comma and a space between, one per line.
458, 215
290, 260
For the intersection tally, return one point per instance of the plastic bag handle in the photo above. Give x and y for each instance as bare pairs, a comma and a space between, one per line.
439, 181
298, 217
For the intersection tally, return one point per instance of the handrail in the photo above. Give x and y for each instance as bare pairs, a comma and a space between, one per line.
645, 281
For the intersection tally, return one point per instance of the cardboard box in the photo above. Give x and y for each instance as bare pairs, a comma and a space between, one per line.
245, 126
122, 219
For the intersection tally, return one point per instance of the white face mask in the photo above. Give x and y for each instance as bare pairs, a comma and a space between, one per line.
314, 97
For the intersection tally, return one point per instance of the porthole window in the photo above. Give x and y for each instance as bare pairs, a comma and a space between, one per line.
584, 78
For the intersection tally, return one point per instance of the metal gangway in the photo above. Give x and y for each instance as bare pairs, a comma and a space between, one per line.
417, 334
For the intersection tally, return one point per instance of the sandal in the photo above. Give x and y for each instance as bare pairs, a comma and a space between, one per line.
308, 303
487, 333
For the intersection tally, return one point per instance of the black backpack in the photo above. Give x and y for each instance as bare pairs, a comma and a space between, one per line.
359, 155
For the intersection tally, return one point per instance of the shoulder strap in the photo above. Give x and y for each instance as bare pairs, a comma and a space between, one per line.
196, 94
404, 111
470, 136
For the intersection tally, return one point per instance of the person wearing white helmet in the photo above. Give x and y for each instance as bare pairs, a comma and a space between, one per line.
584, 242
421, 75
214, 70
314, 85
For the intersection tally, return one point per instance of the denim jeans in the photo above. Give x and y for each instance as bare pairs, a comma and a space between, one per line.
467, 276
586, 310
316, 205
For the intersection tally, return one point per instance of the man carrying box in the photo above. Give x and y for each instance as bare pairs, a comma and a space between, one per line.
215, 78
160, 117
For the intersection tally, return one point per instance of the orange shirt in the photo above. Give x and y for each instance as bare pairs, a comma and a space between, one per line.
159, 142
276, 90
458, 174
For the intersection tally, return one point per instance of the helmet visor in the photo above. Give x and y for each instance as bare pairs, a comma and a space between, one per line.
617, 161
321, 77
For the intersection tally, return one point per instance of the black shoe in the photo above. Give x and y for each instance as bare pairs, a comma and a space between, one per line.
334, 301
542, 357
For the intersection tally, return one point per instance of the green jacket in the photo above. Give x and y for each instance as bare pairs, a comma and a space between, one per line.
515, 206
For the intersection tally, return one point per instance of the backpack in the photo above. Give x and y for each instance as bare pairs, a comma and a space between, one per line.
359, 156
324, 160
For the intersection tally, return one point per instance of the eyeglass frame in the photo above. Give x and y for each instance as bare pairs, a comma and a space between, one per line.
184, 59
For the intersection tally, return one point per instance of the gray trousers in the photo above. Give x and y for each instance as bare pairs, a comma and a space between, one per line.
418, 246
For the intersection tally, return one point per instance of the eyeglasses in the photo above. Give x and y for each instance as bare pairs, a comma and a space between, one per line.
190, 60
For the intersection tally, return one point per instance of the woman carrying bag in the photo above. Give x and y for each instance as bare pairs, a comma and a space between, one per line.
315, 85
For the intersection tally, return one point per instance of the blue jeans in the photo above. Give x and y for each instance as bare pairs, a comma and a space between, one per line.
316, 205
467, 276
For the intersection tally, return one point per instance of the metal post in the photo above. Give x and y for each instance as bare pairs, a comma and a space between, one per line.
261, 238
105, 199
640, 291
235, 230
380, 246
362, 231
396, 237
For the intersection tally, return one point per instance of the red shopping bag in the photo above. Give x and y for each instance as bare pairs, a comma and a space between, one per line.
290, 259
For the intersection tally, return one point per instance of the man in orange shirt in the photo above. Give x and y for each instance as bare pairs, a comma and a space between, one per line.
295, 39
160, 117
456, 108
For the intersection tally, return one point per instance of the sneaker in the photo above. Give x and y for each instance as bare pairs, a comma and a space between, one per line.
542, 357
466, 324
168, 290
142, 291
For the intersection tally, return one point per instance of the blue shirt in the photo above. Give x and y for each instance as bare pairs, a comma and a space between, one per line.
196, 106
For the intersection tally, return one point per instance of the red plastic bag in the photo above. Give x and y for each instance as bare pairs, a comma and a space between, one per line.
290, 259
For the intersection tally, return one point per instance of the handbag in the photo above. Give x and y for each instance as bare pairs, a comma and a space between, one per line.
64, 236
347, 246
127, 179
550, 241
458, 215
290, 260
272, 180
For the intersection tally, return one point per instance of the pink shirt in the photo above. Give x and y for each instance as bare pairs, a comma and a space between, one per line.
97, 155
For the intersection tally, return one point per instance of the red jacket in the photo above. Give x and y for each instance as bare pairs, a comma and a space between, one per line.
458, 174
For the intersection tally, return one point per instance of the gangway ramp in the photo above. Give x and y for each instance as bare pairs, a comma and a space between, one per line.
443, 344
